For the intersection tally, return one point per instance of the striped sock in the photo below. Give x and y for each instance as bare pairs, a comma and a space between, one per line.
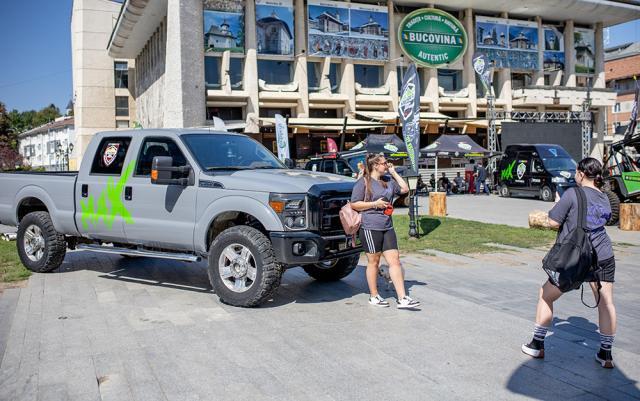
606, 341
539, 332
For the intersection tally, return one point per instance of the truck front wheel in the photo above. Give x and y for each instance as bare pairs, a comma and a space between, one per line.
332, 270
243, 270
40, 247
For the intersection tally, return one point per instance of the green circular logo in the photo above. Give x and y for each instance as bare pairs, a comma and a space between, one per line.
432, 38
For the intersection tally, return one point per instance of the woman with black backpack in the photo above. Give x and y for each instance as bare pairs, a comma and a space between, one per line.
565, 215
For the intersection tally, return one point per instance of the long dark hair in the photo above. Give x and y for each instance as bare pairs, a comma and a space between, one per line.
592, 169
369, 164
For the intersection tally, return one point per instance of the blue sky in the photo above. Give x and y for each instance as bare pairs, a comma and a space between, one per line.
360, 17
35, 68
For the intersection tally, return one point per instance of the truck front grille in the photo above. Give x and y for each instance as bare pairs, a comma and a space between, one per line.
330, 205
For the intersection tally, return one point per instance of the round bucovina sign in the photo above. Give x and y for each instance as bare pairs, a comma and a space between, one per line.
432, 38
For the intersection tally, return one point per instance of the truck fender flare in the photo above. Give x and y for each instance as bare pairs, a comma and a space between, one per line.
34, 191
262, 212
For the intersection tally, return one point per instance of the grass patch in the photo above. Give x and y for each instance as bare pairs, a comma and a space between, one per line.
463, 237
11, 269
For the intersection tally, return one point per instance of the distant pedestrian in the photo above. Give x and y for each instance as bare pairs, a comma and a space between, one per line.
445, 184
565, 216
373, 196
459, 184
481, 178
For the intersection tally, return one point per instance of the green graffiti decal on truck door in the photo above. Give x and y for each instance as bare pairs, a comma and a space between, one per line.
92, 211
507, 173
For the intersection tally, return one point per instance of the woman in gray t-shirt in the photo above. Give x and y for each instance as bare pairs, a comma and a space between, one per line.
564, 215
372, 196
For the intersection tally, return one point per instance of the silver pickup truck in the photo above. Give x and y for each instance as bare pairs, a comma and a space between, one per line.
186, 195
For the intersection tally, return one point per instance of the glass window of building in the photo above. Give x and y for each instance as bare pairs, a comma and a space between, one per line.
270, 112
369, 76
323, 113
225, 113
314, 75
275, 72
520, 80
236, 73
584, 81
212, 72
121, 73
122, 106
401, 70
334, 76
450, 80
121, 124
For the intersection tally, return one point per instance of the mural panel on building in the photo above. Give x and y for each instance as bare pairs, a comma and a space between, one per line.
223, 25
508, 43
338, 29
553, 48
274, 27
584, 50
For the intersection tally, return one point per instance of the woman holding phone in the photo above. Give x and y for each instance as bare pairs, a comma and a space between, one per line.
372, 196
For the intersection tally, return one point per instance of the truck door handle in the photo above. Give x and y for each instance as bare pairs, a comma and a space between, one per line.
128, 193
85, 190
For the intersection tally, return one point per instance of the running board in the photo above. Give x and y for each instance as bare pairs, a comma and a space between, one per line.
185, 257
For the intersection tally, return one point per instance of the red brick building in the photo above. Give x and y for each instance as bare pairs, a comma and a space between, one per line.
622, 63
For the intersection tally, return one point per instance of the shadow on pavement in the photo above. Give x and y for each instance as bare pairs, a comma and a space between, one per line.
569, 367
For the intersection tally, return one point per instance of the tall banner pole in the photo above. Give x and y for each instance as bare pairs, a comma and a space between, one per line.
483, 68
282, 138
409, 109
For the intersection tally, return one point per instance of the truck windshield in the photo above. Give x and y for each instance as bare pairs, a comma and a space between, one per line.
230, 152
555, 158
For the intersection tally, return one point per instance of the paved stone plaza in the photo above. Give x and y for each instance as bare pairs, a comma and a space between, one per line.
109, 328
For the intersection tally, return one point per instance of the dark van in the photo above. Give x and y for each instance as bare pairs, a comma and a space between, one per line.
538, 170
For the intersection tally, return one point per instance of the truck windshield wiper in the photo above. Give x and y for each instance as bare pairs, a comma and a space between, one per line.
226, 168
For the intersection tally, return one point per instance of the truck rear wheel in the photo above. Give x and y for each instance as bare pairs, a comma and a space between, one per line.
243, 270
40, 247
332, 270
504, 191
614, 201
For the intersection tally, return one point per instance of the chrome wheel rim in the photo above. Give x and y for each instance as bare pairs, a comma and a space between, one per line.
505, 191
237, 268
33, 243
546, 194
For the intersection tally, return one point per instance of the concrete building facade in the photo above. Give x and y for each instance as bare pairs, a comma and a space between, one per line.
622, 68
102, 85
180, 84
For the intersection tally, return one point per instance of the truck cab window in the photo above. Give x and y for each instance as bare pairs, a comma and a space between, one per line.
152, 147
109, 159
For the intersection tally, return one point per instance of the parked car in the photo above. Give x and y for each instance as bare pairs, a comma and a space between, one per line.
346, 164
539, 170
186, 195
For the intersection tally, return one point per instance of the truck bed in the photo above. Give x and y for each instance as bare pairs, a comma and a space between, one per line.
54, 188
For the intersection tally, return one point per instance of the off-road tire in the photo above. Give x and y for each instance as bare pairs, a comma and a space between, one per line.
614, 201
341, 269
269, 271
546, 190
55, 246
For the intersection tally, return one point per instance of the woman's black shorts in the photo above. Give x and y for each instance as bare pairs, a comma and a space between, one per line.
378, 241
606, 271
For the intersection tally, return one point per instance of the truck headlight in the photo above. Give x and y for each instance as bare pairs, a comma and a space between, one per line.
291, 208
558, 179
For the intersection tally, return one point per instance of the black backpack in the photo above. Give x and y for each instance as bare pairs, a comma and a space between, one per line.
570, 261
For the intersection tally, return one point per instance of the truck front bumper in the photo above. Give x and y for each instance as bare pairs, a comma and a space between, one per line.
304, 247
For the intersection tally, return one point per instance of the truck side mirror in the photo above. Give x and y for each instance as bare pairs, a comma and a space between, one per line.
162, 169
289, 163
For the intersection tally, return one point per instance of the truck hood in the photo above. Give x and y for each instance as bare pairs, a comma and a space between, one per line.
277, 180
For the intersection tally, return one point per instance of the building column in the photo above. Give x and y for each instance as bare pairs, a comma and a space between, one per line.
538, 79
300, 50
569, 61
599, 78
184, 91
391, 67
347, 84
504, 82
431, 88
250, 78
469, 74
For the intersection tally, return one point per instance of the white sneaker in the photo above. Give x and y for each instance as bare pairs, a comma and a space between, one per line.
407, 303
378, 301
